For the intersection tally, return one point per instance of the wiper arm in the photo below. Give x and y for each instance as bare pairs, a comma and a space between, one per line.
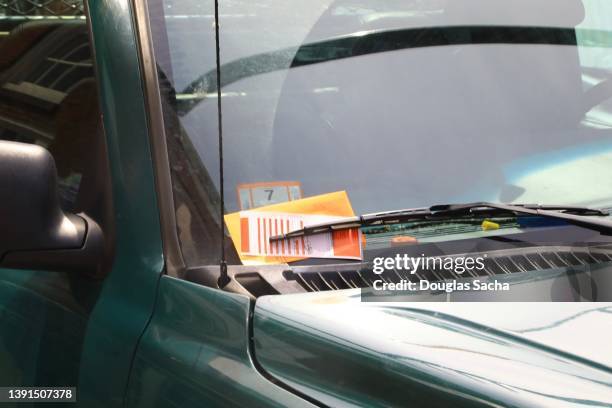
579, 216
444, 209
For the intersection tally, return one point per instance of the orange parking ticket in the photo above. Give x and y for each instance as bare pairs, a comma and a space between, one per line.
251, 231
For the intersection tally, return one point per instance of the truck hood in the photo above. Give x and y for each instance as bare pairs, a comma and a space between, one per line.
341, 351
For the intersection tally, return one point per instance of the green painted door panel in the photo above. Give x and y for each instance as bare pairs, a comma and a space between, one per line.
128, 295
195, 353
42, 326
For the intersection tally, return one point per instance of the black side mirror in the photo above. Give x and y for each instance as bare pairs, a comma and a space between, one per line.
34, 231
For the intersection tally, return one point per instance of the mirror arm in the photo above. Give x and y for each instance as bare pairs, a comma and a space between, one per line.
86, 260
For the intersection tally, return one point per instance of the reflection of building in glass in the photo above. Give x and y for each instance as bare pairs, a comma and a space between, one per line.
37, 8
47, 89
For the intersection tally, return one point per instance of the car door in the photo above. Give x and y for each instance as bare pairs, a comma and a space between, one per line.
64, 67
48, 97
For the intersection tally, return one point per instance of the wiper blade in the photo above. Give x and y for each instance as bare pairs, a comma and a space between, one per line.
579, 216
565, 209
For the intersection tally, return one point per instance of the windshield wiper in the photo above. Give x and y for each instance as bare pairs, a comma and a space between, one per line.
579, 216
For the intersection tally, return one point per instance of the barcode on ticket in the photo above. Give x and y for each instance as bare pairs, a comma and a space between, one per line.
256, 228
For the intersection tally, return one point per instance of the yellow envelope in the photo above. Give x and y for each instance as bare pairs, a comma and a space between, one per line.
332, 204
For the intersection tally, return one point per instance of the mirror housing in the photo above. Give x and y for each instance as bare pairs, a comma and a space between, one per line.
34, 231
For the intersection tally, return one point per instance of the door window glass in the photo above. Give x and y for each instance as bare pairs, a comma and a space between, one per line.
48, 92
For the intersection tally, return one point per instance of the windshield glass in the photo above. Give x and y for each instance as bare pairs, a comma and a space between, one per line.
398, 103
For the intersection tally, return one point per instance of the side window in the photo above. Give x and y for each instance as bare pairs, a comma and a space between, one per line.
48, 95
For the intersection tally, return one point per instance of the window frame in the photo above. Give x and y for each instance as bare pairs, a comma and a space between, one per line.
174, 262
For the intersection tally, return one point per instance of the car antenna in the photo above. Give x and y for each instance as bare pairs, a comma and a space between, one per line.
223, 276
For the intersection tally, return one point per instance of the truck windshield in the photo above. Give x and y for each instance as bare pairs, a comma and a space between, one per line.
397, 103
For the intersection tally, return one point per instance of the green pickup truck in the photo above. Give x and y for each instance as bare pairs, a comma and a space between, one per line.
129, 129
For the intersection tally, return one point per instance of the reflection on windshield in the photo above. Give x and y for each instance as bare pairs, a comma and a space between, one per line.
364, 43
400, 104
